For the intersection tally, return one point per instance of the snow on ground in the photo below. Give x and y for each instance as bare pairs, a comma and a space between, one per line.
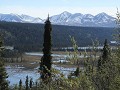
17, 73
64, 71
40, 54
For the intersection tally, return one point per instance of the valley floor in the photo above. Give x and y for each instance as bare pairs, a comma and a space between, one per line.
30, 66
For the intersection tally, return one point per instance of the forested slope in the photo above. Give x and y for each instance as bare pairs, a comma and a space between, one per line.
29, 37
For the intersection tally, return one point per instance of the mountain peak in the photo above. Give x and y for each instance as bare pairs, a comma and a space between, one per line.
66, 12
88, 16
102, 14
77, 14
65, 18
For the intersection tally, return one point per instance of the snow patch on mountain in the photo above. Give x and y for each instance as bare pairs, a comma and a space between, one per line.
65, 18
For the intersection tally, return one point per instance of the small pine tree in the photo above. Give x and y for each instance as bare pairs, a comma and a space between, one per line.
105, 55
20, 84
26, 83
77, 72
31, 83
36, 85
75, 55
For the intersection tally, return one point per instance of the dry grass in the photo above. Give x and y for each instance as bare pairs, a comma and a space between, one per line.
32, 61
29, 62
31, 58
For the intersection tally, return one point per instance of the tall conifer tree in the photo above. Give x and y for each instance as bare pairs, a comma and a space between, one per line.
105, 55
105, 67
45, 65
3, 74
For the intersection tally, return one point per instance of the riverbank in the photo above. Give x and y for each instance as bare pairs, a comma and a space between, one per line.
30, 66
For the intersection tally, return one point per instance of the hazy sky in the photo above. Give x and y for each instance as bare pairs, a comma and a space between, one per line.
40, 8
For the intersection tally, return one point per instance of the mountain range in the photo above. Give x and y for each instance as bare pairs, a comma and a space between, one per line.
65, 18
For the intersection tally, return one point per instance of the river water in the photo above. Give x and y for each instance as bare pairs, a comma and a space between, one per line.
17, 72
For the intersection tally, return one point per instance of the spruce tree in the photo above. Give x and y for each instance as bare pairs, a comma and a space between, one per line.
105, 68
31, 83
3, 74
45, 65
105, 55
77, 72
20, 84
26, 83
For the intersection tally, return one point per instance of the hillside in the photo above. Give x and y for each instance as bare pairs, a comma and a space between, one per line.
29, 37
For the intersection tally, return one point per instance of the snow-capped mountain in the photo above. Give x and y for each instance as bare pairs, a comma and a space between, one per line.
19, 18
37, 20
10, 18
65, 18
26, 18
61, 18
78, 19
103, 17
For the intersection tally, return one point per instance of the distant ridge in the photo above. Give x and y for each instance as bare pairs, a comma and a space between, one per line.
65, 18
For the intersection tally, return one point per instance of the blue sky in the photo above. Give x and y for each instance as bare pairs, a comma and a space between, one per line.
40, 8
